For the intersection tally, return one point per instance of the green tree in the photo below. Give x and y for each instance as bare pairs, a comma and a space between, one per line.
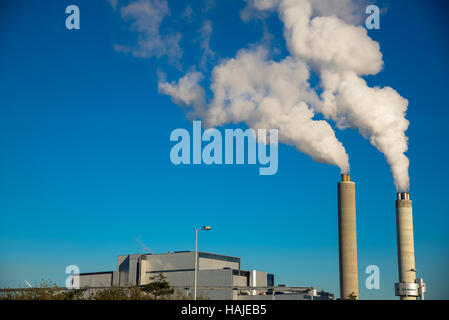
158, 287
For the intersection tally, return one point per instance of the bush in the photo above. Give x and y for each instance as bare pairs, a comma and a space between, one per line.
47, 290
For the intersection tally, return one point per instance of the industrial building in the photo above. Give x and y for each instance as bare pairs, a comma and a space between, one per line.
219, 277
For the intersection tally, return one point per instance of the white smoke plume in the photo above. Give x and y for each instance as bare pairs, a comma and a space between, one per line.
186, 92
263, 94
319, 34
341, 53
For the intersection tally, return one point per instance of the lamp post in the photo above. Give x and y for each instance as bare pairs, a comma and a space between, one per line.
196, 256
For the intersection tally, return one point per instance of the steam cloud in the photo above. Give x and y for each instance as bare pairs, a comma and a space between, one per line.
263, 93
342, 53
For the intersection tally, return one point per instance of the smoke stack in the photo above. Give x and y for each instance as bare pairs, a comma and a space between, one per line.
347, 237
408, 287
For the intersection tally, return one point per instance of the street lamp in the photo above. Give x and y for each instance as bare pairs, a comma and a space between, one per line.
196, 256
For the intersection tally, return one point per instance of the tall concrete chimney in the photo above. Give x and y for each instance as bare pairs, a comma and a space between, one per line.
347, 237
408, 287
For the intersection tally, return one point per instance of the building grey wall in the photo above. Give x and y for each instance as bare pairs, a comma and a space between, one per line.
221, 277
186, 261
215, 278
100, 279
208, 263
115, 279
134, 266
128, 267
221, 280
215, 261
123, 269
170, 261
240, 281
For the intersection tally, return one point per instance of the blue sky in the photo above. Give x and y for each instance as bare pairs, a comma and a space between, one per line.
85, 166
